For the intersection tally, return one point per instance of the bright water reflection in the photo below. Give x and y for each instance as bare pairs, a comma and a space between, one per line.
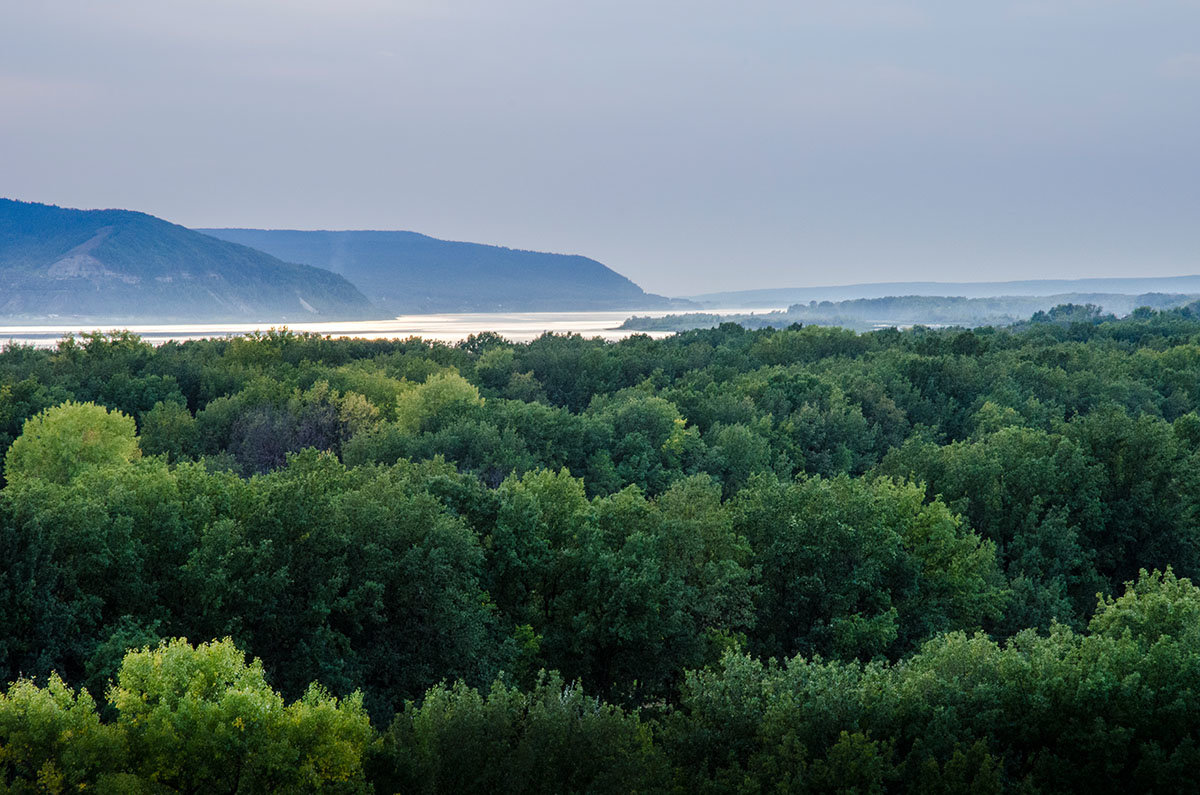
516, 326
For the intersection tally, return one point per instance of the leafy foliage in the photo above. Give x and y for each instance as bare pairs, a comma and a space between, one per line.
730, 560
192, 719
60, 443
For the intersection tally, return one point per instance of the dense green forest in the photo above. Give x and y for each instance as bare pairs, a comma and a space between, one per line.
731, 560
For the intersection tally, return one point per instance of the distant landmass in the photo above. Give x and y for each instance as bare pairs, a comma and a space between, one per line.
407, 272
787, 296
120, 265
864, 314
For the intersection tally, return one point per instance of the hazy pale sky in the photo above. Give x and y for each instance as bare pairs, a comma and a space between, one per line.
692, 146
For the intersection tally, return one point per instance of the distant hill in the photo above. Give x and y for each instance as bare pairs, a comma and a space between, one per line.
408, 272
786, 296
120, 265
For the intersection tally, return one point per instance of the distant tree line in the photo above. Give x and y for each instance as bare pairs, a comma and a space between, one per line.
868, 314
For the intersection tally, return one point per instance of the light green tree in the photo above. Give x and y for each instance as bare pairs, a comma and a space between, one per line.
60, 442
443, 397
188, 719
202, 719
52, 740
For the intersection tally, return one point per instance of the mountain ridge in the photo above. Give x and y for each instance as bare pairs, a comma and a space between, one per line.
410, 272
117, 265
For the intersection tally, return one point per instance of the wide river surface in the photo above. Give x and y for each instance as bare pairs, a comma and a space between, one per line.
516, 326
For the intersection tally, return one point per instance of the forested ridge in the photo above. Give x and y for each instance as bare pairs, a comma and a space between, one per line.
793, 560
86, 266
406, 272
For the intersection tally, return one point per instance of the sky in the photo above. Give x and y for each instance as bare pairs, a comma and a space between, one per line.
693, 146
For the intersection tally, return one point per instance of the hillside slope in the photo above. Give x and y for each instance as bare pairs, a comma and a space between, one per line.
121, 265
410, 272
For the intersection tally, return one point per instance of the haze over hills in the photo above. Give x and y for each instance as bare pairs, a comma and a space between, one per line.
786, 296
865, 314
119, 265
123, 266
407, 272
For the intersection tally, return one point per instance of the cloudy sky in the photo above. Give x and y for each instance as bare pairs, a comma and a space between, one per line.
690, 145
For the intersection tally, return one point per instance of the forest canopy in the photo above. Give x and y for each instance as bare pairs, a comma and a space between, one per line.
730, 560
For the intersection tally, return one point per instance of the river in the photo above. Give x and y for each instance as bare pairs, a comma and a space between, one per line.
516, 326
